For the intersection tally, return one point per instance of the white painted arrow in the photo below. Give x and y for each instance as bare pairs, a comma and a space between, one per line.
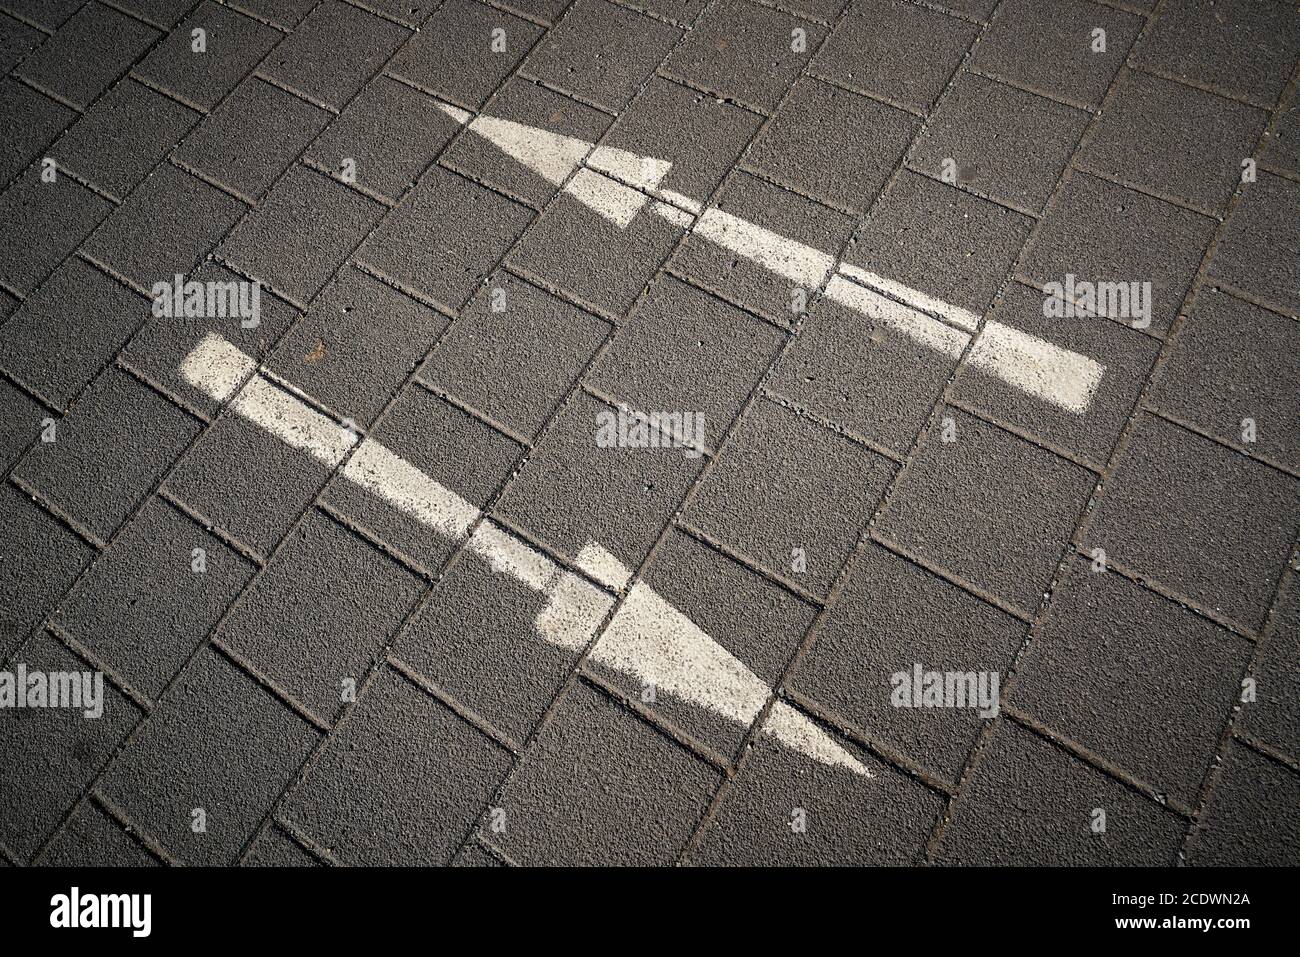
647, 638
618, 184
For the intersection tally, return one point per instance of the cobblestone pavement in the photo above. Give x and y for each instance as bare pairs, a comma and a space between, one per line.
649, 432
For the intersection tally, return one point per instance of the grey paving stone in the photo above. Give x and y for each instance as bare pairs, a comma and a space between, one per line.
477, 640
302, 232
1133, 678
161, 13
601, 52
641, 794
891, 617
123, 136
1004, 143
96, 46
988, 507
93, 839
218, 741
246, 481
110, 452
979, 9
1242, 47
1251, 819
163, 342
357, 344
390, 132
521, 101
1198, 518
143, 608
758, 622
849, 820
401, 782
52, 754
41, 559
452, 447
1032, 803
492, 360
34, 121
235, 44
255, 112
351, 598
681, 12
739, 279
1174, 139
572, 492
684, 351
166, 226
1280, 145
41, 224
1127, 357
1258, 249
1274, 717
1231, 362
701, 136
1100, 232
17, 39
51, 14
410, 12
937, 239
62, 336
1048, 47
451, 55
869, 379
576, 250
815, 144
445, 237
473, 854
273, 848
23, 418
785, 483
283, 13
333, 53
895, 50
745, 52
823, 10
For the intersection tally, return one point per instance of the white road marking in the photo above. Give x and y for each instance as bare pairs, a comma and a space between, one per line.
924, 329
803, 265
647, 638
1059, 376
1039, 368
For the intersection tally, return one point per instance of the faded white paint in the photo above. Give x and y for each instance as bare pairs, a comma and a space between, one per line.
1040, 368
802, 265
913, 297
647, 639
924, 329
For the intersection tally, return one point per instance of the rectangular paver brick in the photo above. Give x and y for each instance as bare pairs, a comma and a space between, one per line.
445, 238
641, 793
145, 607
301, 233
41, 223
784, 483
96, 46
235, 45
402, 781
890, 617
110, 452
1198, 518
333, 52
601, 52
218, 742
1259, 251
350, 598
52, 754
34, 121
988, 507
